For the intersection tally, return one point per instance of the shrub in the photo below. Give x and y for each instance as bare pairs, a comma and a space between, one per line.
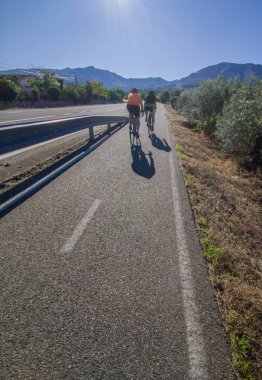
99, 92
70, 93
207, 124
176, 92
164, 96
186, 104
116, 95
240, 126
9, 91
25, 95
44, 96
207, 103
173, 101
54, 92
210, 98
82, 95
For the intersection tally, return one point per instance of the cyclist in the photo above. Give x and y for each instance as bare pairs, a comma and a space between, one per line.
134, 102
150, 106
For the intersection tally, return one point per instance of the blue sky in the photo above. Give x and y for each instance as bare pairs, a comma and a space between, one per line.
133, 38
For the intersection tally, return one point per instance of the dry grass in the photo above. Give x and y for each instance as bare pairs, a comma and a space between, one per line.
228, 209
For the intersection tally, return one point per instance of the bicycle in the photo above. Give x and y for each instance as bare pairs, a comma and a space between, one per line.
133, 132
150, 118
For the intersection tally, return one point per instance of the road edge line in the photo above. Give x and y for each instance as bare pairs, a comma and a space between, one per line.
194, 334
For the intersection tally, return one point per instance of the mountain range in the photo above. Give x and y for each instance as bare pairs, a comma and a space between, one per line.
224, 70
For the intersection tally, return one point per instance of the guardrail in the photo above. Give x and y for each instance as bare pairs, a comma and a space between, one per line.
14, 136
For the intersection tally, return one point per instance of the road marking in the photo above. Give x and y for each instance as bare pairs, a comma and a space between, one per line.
26, 110
71, 242
90, 108
102, 109
30, 118
194, 333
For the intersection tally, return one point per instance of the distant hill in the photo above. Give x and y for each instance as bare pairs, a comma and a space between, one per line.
111, 80
224, 70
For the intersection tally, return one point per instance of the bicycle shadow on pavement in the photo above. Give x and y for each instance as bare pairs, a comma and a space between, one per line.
158, 143
141, 165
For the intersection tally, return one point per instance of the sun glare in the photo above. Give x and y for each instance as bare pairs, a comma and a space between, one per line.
119, 3
122, 3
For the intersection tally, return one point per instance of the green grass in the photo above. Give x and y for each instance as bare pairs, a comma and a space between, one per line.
213, 253
189, 177
204, 227
181, 156
179, 148
180, 151
241, 347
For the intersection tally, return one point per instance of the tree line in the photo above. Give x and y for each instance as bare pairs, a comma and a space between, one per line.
229, 111
49, 87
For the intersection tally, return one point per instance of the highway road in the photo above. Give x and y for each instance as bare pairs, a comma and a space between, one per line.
22, 160
17, 116
102, 273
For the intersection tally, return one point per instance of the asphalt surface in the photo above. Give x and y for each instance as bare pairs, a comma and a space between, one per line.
17, 116
102, 274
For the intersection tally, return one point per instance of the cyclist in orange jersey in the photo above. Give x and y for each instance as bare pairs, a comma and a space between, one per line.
134, 103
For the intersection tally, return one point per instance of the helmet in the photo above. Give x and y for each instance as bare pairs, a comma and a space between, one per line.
134, 90
151, 93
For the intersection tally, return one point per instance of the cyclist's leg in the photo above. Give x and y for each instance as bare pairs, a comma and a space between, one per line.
150, 120
137, 119
137, 125
149, 123
132, 112
153, 118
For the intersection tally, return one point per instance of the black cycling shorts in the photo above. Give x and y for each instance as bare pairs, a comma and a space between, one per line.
133, 109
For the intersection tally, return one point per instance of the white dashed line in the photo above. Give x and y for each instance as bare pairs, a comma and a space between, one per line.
71, 242
30, 118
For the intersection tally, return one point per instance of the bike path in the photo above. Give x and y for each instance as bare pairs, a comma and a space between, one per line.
91, 269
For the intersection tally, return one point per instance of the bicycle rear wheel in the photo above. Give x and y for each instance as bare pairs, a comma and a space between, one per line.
149, 123
132, 132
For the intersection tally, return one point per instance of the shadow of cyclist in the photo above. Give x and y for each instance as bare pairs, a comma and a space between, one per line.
141, 165
158, 143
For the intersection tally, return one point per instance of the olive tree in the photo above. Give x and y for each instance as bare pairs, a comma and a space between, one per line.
240, 125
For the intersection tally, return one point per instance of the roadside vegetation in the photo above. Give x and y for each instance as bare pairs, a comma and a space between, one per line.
229, 112
218, 131
48, 87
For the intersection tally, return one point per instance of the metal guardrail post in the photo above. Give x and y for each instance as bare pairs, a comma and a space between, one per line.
108, 127
91, 131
